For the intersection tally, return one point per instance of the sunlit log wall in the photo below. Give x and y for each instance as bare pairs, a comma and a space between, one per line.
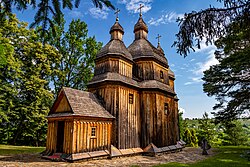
77, 136
127, 125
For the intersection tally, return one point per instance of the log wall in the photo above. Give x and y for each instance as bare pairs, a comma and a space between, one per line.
77, 135
158, 127
114, 65
127, 127
51, 136
82, 140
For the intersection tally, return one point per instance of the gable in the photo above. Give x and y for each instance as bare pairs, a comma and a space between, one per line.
63, 105
72, 102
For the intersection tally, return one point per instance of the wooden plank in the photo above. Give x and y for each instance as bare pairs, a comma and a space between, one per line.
85, 126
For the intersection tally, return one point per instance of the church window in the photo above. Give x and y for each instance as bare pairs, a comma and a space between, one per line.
131, 98
166, 108
161, 74
93, 131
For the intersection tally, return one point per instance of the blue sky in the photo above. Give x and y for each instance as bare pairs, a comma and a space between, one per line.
160, 16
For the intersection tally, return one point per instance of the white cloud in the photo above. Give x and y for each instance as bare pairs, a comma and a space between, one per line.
133, 5
211, 60
200, 67
165, 18
75, 14
188, 83
196, 79
99, 13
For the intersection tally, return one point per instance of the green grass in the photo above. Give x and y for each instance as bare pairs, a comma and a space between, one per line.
227, 157
8, 149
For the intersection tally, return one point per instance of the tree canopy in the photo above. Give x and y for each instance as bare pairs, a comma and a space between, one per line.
76, 65
25, 96
47, 9
209, 24
229, 81
228, 29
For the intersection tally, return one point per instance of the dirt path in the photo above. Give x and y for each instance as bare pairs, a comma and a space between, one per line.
188, 155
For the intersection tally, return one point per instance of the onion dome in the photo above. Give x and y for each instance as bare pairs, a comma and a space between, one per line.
116, 31
140, 25
140, 29
115, 46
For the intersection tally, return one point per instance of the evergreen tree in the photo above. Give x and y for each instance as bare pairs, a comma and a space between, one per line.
209, 24
229, 80
180, 124
46, 9
78, 51
206, 129
235, 134
25, 96
194, 139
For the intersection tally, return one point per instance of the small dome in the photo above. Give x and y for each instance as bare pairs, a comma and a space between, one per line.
140, 25
114, 47
142, 48
116, 27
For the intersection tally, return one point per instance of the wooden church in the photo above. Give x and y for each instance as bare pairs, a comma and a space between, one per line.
131, 106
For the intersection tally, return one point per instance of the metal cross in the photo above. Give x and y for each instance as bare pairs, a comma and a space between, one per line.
141, 6
117, 13
158, 37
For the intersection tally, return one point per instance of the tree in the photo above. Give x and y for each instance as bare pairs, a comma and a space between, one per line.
229, 80
190, 137
46, 9
78, 51
209, 24
25, 96
206, 129
235, 134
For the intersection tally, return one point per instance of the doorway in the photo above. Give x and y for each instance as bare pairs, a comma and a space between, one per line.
60, 136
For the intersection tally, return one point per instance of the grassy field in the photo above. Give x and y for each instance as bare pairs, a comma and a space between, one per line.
226, 157
8, 150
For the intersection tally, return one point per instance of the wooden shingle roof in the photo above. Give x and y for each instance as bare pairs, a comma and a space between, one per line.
142, 48
114, 47
81, 103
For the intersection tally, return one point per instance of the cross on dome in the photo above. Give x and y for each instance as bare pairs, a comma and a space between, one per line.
117, 14
158, 37
140, 8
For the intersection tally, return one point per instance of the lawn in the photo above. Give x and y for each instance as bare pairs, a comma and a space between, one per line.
8, 150
226, 157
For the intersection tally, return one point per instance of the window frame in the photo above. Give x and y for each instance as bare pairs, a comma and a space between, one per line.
166, 108
91, 134
161, 74
131, 98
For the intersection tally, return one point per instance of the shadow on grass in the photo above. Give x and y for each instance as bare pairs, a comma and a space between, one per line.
20, 153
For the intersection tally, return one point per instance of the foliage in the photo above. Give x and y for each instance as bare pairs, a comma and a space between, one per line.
25, 97
46, 9
226, 157
11, 150
206, 129
190, 137
229, 80
181, 125
209, 24
235, 134
78, 51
